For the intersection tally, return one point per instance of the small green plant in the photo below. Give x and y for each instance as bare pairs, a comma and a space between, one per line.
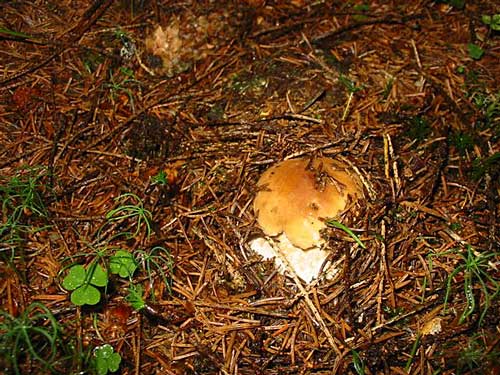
120, 85
83, 283
481, 167
352, 89
357, 362
470, 357
477, 356
123, 264
388, 88
91, 60
486, 101
419, 128
476, 271
492, 21
393, 312
339, 225
135, 297
35, 335
21, 201
413, 352
489, 104
462, 141
475, 51
362, 9
155, 263
160, 178
106, 360
132, 211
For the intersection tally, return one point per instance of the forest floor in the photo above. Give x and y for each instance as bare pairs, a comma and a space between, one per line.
132, 134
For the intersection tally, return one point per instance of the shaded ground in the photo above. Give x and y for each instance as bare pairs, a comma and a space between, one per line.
97, 132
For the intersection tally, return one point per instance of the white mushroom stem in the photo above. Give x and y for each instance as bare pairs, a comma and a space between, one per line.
306, 264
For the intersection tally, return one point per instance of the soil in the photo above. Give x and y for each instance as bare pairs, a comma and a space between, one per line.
175, 109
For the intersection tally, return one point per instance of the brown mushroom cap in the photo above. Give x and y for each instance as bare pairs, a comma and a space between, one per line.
296, 194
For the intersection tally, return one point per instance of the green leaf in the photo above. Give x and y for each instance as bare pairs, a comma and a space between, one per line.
475, 51
106, 359
99, 275
123, 263
101, 366
492, 21
134, 297
349, 84
114, 362
105, 351
357, 362
486, 19
74, 278
85, 295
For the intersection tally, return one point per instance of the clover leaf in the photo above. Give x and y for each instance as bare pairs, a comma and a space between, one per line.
123, 264
74, 278
492, 21
85, 295
106, 360
99, 275
83, 282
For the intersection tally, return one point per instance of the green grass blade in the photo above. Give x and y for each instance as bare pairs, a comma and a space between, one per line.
14, 33
339, 225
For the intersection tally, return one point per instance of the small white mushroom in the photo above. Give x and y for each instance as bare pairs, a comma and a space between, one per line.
295, 197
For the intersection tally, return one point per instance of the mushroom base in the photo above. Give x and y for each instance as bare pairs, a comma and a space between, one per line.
305, 263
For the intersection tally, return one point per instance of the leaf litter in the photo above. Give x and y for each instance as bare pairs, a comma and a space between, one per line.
108, 97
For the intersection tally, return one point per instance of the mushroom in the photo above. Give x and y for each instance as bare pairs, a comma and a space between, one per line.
294, 198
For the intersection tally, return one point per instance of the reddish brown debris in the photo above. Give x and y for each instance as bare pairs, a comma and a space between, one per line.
388, 86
